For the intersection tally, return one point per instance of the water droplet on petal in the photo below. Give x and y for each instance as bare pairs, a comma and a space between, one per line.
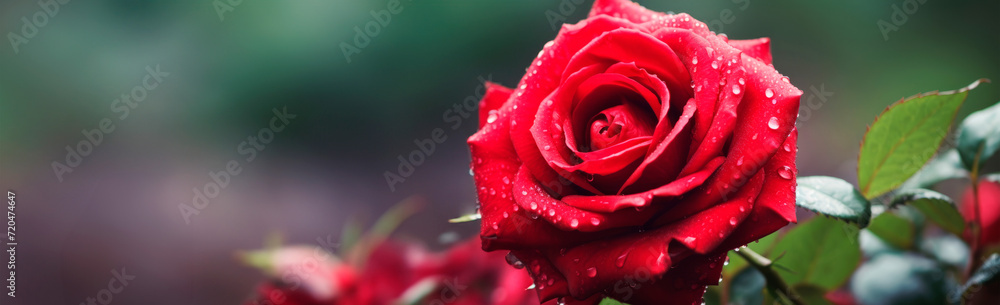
742, 82
732, 221
788, 147
768, 93
785, 172
620, 262
552, 212
773, 123
736, 89
739, 161
513, 261
505, 215
573, 223
595, 221
534, 206
694, 61
492, 116
715, 65
754, 136
592, 271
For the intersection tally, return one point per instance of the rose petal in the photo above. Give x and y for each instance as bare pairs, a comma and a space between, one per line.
612, 203
543, 77
684, 284
549, 283
759, 48
611, 159
665, 159
533, 199
720, 86
764, 124
496, 95
648, 53
775, 207
504, 224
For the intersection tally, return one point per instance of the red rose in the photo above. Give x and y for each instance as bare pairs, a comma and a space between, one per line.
394, 273
638, 149
989, 211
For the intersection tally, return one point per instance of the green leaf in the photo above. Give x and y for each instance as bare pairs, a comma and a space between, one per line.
833, 197
712, 296
948, 250
747, 288
947, 165
994, 177
904, 137
894, 230
989, 271
821, 251
980, 130
736, 263
812, 295
936, 206
466, 218
902, 279
610, 301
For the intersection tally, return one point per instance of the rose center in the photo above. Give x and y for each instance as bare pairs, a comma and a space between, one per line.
618, 124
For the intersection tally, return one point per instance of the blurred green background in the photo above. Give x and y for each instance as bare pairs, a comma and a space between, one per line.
119, 207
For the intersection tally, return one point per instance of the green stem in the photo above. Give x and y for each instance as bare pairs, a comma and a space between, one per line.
774, 281
976, 221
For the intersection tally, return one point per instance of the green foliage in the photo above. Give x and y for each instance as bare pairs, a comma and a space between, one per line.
833, 197
894, 230
979, 133
936, 206
948, 250
947, 165
610, 301
904, 137
812, 295
821, 251
892, 279
737, 263
747, 288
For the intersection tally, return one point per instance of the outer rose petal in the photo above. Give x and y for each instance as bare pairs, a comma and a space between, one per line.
775, 207
494, 161
684, 284
763, 125
759, 48
496, 95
